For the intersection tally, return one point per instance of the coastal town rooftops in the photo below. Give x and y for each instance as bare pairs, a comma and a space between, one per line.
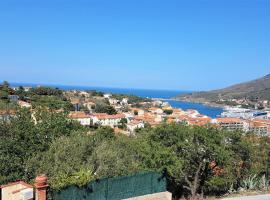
107, 116
135, 122
229, 120
199, 121
78, 115
261, 121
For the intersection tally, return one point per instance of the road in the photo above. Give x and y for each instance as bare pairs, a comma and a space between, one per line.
257, 197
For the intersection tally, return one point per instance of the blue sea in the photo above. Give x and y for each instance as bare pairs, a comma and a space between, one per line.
147, 93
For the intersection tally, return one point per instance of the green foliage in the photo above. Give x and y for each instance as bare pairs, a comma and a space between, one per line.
123, 123
132, 99
51, 102
50, 143
48, 91
196, 147
250, 183
79, 178
21, 93
104, 107
21, 138
4, 91
217, 185
96, 93
168, 112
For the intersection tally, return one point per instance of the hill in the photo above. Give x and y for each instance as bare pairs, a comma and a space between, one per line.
255, 90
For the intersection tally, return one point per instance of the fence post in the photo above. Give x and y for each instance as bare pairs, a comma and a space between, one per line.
41, 187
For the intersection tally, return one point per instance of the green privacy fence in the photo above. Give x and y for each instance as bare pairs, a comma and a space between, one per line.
115, 188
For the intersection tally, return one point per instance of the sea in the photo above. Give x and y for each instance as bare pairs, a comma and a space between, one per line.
210, 111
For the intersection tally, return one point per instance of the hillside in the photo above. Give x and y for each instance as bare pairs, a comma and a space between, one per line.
254, 90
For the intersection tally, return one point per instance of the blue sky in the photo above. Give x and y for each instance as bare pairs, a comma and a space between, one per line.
157, 44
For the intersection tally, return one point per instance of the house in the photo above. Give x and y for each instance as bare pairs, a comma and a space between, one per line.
134, 124
104, 119
137, 111
107, 96
157, 103
13, 98
17, 191
156, 110
231, 124
199, 121
84, 94
76, 104
27, 89
24, 104
113, 101
129, 116
149, 118
89, 105
260, 127
124, 101
192, 113
82, 117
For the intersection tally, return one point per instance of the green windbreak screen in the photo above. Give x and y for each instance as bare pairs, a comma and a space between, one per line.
115, 188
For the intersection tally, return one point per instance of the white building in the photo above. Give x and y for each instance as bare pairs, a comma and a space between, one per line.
81, 117
156, 110
113, 101
13, 98
104, 119
107, 96
133, 125
232, 124
124, 101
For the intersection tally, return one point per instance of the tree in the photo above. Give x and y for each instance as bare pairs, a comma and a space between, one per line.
103, 107
168, 112
5, 84
23, 137
197, 148
123, 123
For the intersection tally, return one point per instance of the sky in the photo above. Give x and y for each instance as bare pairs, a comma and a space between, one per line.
154, 44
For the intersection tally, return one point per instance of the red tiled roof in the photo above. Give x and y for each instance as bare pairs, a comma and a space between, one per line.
106, 116
229, 120
17, 182
78, 115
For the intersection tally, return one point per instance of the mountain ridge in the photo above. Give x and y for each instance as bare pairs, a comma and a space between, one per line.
254, 90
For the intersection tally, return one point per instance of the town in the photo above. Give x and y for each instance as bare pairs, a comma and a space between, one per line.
128, 113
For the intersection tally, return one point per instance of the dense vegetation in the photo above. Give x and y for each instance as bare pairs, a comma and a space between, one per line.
132, 99
103, 106
197, 159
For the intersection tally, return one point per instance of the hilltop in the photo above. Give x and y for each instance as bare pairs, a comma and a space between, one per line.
248, 92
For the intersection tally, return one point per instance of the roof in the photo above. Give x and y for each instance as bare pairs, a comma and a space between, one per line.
78, 115
15, 183
134, 122
263, 121
229, 120
106, 116
23, 103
